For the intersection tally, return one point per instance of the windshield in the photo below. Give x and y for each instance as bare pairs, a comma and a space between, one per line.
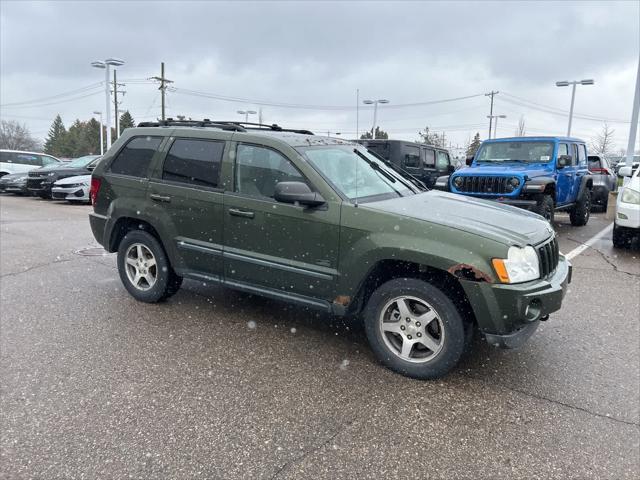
356, 175
81, 161
534, 152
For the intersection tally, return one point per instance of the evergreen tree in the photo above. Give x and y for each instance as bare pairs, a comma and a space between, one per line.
474, 145
379, 135
91, 138
75, 139
55, 143
126, 121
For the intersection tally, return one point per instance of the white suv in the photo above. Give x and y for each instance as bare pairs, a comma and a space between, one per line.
15, 161
627, 220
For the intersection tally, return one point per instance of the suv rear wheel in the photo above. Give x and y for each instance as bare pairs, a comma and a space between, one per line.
144, 268
579, 214
414, 328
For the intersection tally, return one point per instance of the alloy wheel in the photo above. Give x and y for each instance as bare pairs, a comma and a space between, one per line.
141, 268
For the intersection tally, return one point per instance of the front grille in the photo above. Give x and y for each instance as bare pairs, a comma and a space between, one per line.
548, 256
34, 182
37, 175
483, 184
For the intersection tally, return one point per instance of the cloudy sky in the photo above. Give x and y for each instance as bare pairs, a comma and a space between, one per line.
302, 63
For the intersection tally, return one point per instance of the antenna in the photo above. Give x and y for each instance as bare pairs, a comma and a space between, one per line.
357, 159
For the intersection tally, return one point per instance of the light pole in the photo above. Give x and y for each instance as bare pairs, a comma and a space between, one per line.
495, 125
564, 83
246, 114
116, 62
101, 140
375, 113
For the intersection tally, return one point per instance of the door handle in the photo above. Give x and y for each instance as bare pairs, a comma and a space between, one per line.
241, 213
160, 198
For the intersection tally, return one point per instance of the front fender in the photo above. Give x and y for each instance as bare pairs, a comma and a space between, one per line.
586, 183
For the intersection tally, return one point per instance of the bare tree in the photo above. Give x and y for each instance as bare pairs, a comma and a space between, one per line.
521, 131
16, 136
603, 143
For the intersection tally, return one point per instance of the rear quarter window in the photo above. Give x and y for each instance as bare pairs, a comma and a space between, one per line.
134, 158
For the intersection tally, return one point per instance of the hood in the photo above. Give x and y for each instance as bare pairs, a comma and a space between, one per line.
531, 170
501, 223
75, 179
12, 177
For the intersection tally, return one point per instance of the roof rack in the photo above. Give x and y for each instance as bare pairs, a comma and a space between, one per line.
170, 122
263, 126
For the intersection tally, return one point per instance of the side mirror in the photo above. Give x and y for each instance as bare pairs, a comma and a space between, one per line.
469, 160
625, 171
563, 161
451, 169
297, 192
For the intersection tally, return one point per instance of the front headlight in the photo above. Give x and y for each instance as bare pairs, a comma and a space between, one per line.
630, 196
458, 182
521, 265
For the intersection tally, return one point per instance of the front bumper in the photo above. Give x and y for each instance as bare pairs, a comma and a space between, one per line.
627, 214
39, 186
78, 194
509, 314
14, 188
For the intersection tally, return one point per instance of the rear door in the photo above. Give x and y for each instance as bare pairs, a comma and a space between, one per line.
412, 160
430, 174
185, 194
580, 170
277, 246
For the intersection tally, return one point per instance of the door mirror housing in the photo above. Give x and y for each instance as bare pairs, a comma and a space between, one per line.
469, 160
297, 192
563, 161
625, 171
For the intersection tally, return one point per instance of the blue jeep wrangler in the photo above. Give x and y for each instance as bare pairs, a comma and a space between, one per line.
542, 174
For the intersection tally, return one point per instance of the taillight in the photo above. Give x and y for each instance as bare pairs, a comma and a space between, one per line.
95, 188
602, 171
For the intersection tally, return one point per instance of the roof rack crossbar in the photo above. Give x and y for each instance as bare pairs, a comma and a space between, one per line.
263, 126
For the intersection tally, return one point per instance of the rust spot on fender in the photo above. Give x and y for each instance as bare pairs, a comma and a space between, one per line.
342, 300
469, 272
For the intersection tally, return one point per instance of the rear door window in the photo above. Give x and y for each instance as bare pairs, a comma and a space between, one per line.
574, 156
582, 155
442, 161
135, 157
194, 162
429, 158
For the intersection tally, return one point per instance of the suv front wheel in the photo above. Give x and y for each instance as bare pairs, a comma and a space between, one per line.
414, 328
144, 268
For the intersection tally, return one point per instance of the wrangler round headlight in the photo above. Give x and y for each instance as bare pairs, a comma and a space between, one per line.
514, 181
521, 265
458, 182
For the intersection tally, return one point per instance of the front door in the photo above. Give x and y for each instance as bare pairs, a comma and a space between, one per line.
564, 181
277, 246
187, 197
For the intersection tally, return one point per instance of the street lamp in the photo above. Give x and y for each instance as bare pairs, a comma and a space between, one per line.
564, 83
375, 113
246, 114
495, 126
116, 62
101, 141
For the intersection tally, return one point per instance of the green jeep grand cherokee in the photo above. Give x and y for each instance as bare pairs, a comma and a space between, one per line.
323, 223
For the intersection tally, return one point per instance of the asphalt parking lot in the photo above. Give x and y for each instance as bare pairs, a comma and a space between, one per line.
218, 384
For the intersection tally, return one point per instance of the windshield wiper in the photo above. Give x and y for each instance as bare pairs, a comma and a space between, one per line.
375, 166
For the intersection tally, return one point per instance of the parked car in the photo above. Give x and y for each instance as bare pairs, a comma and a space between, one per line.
604, 180
16, 161
40, 181
626, 224
73, 189
425, 162
14, 183
542, 174
617, 162
322, 223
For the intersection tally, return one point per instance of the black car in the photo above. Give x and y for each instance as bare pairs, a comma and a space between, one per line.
426, 162
41, 181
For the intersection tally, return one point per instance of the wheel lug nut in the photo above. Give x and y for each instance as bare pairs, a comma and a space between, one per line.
417, 324
402, 327
409, 337
419, 334
408, 319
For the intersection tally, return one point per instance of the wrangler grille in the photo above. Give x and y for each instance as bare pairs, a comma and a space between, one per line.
483, 184
548, 256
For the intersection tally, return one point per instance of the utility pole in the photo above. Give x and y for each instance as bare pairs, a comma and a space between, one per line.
491, 94
633, 129
163, 86
115, 100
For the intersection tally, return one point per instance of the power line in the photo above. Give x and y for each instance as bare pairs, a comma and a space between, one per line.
56, 103
269, 103
52, 97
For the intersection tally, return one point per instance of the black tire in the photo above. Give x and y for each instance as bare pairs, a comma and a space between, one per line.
545, 207
450, 326
619, 238
167, 282
579, 214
